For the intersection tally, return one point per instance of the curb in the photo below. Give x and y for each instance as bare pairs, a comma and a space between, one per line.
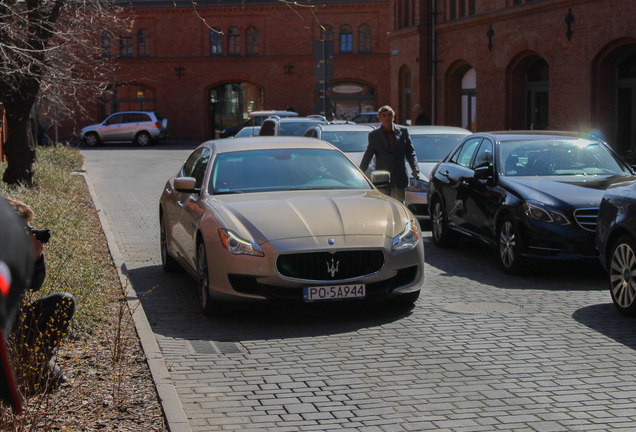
171, 404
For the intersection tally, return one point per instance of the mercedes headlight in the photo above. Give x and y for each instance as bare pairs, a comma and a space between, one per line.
539, 212
237, 246
407, 238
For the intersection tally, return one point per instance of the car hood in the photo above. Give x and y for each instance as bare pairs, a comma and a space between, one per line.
575, 191
275, 216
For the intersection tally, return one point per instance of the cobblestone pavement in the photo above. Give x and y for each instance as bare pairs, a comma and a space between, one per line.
480, 351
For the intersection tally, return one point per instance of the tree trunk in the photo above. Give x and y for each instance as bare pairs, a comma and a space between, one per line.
20, 147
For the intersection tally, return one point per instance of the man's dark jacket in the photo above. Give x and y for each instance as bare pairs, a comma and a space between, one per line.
386, 159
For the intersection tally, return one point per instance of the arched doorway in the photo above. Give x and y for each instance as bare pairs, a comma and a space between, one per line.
614, 96
527, 95
404, 83
469, 100
230, 104
350, 98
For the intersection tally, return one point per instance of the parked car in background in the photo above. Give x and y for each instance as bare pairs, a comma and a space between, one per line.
529, 194
432, 144
139, 127
370, 118
286, 219
247, 131
256, 118
616, 241
352, 139
289, 126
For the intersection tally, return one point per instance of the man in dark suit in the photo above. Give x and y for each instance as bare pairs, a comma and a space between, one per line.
391, 145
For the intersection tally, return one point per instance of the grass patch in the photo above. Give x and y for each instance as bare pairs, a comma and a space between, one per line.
77, 258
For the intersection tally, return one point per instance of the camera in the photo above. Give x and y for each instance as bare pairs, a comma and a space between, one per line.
43, 235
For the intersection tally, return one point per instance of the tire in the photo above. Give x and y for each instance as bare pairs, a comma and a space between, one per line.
204, 281
143, 139
168, 263
622, 275
510, 247
442, 235
92, 139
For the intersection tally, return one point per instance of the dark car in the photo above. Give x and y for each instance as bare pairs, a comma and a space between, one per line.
616, 241
529, 194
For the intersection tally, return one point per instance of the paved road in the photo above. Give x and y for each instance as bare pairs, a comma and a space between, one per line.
545, 352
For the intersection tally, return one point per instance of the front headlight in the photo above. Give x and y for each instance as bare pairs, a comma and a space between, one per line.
543, 214
407, 238
417, 185
237, 246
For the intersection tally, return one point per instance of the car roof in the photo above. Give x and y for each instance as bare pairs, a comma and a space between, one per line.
273, 112
511, 135
423, 130
132, 112
296, 119
345, 127
266, 142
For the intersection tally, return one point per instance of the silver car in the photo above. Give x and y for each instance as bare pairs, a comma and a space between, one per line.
287, 219
351, 139
138, 127
431, 144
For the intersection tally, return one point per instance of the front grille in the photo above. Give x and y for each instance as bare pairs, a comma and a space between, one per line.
587, 218
326, 266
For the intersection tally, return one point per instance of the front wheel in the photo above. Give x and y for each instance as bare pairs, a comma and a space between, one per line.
204, 281
168, 263
442, 235
622, 275
510, 246
143, 139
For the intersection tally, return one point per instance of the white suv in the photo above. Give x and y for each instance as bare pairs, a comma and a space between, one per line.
139, 127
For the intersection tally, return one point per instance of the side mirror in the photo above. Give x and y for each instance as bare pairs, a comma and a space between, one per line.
483, 172
380, 178
185, 184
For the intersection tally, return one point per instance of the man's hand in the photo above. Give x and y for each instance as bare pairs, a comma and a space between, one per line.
416, 173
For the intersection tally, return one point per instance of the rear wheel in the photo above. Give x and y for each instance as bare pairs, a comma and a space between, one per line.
442, 235
622, 275
91, 139
168, 263
143, 139
510, 247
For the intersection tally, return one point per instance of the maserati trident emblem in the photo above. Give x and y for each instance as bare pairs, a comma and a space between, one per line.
332, 268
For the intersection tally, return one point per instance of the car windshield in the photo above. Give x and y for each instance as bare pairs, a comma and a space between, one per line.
283, 170
247, 131
433, 147
295, 128
558, 157
347, 141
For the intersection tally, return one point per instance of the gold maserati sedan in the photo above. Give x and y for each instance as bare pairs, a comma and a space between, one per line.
287, 219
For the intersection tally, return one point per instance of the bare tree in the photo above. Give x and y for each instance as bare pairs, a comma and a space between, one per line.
50, 53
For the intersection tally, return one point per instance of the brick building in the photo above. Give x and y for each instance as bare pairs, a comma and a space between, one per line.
480, 64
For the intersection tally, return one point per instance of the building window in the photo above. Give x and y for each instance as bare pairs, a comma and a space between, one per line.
251, 41
216, 42
404, 13
327, 33
536, 95
364, 38
233, 41
142, 44
461, 8
404, 84
346, 39
125, 46
106, 44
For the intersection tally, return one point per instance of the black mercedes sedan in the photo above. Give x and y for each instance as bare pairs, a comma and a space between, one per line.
616, 241
530, 194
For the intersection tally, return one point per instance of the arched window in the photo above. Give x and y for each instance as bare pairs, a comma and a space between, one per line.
251, 41
469, 100
107, 39
327, 33
364, 38
216, 41
233, 41
143, 50
346, 39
